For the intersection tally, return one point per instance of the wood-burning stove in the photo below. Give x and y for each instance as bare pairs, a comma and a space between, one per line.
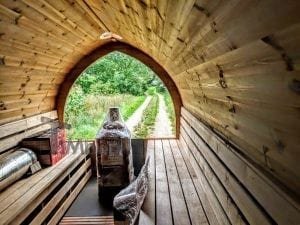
114, 155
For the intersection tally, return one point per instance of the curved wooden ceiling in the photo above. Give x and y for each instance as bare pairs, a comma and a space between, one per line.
236, 63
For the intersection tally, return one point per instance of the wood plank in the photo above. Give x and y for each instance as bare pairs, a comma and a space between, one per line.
29, 21
18, 189
99, 220
243, 121
280, 162
16, 203
86, 218
221, 182
247, 83
194, 205
12, 141
22, 109
227, 37
22, 216
24, 124
22, 113
163, 204
211, 206
271, 196
60, 194
147, 213
178, 201
205, 132
64, 207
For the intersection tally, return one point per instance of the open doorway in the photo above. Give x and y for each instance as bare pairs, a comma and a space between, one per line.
118, 79
155, 84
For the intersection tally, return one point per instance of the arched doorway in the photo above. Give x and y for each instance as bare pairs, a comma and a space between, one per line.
86, 61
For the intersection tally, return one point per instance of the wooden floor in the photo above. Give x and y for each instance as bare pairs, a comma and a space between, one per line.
175, 196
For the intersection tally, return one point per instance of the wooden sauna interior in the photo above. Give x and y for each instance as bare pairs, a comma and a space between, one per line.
233, 70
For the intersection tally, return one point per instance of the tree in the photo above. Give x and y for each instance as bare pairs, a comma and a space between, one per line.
118, 73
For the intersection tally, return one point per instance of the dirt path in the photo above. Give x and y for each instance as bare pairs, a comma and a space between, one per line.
162, 124
137, 115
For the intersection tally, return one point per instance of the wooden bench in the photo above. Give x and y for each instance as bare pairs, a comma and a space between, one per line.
240, 187
45, 196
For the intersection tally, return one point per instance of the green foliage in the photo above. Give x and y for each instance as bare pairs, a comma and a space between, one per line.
75, 102
128, 109
170, 109
118, 73
151, 91
145, 127
114, 80
86, 121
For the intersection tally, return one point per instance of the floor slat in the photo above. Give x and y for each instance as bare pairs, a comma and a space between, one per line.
194, 205
147, 214
179, 208
97, 220
163, 205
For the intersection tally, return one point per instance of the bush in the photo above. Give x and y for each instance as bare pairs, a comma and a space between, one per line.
151, 91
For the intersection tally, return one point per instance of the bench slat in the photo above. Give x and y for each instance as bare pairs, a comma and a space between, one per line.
60, 194
64, 207
20, 199
271, 197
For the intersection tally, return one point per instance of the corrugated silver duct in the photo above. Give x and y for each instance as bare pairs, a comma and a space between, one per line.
16, 165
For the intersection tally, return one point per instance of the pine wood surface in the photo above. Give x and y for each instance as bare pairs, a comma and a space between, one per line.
22, 198
235, 63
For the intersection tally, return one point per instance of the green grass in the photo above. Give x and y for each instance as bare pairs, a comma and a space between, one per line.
170, 109
86, 122
128, 109
146, 126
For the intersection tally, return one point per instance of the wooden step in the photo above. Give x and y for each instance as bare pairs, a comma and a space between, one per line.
99, 220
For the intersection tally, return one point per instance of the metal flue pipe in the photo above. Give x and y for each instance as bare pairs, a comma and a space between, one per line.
15, 165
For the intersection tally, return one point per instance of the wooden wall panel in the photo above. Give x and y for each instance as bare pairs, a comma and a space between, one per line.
236, 63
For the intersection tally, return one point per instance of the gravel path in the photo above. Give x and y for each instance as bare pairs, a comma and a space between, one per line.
137, 115
162, 124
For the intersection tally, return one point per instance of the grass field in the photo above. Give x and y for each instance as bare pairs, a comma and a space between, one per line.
170, 109
86, 121
146, 126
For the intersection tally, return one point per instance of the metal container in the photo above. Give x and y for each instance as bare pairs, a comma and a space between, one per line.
15, 165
